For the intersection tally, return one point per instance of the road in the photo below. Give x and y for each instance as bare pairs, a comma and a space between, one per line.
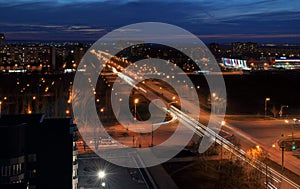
265, 133
202, 130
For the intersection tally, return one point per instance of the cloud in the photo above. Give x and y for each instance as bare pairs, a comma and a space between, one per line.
78, 27
88, 30
30, 25
202, 17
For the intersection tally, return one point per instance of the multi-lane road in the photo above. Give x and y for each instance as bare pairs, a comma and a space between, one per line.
263, 133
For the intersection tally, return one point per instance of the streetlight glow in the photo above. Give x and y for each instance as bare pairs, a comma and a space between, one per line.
101, 174
136, 101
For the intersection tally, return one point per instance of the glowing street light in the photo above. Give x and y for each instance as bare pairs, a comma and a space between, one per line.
266, 102
101, 174
102, 110
136, 101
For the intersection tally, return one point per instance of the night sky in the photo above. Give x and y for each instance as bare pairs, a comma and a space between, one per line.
266, 21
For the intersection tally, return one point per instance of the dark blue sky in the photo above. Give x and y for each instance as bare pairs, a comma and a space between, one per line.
268, 21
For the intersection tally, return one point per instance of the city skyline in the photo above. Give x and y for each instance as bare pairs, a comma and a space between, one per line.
149, 105
220, 21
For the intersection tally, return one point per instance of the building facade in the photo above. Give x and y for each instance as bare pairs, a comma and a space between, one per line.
37, 152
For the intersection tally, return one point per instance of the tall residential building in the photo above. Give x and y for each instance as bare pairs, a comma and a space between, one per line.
37, 152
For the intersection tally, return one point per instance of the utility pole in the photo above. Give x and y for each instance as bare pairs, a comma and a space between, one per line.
152, 135
266, 106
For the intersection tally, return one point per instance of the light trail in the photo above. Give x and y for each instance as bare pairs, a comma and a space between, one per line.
202, 130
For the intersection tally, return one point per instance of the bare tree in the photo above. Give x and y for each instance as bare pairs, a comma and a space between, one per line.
274, 111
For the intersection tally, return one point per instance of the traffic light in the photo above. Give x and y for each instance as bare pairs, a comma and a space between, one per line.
294, 147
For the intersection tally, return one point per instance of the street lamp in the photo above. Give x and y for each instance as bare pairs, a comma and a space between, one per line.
266, 102
152, 135
293, 129
102, 110
136, 101
282, 146
101, 174
281, 109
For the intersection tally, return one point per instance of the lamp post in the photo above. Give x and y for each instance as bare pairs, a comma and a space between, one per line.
222, 124
33, 104
266, 103
282, 146
281, 109
136, 101
152, 135
293, 126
